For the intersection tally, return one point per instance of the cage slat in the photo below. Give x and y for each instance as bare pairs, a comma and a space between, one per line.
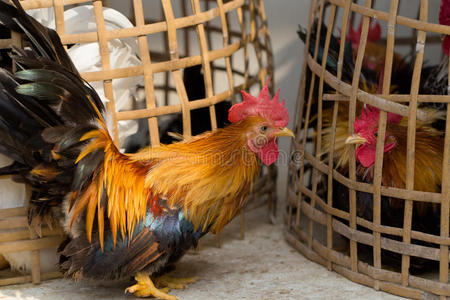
315, 176
266, 46
148, 73
104, 54
176, 74
308, 108
319, 123
411, 139
351, 120
394, 98
377, 178
245, 37
300, 104
35, 261
226, 42
445, 204
333, 129
58, 8
207, 74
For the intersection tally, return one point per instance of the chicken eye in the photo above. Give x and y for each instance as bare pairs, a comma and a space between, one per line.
376, 134
263, 129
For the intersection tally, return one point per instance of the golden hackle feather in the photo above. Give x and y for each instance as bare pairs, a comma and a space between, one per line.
207, 176
429, 151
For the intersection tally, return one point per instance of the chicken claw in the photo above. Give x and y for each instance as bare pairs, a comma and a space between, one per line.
145, 288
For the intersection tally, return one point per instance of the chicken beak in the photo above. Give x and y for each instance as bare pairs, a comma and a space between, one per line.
284, 131
355, 139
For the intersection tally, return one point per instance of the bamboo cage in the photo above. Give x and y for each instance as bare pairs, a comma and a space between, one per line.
342, 240
229, 39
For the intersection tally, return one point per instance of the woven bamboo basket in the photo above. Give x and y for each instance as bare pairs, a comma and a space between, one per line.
228, 39
344, 242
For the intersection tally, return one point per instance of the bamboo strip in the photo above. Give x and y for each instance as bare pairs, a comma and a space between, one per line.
266, 46
411, 141
35, 261
30, 245
351, 120
176, 74
333, 133
445, 203
27, 278
13, 222
308, 104
24, 233
300, 103
245, 38
381, 137
58, 7
148, 74
34, 4
319, 115
394, 98
226, 42
318, 150
104, 53
205, 63
13, 212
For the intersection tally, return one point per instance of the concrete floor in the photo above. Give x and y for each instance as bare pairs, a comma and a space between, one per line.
262, 266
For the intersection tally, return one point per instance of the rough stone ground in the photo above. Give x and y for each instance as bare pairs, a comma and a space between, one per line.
262, 266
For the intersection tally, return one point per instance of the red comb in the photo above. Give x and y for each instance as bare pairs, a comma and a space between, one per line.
262, 106
444, 19
371, 115
373, 35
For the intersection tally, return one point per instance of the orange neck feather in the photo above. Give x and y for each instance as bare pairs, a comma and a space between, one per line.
209, 176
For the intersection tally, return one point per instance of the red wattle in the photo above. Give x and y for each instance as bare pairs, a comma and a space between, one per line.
365, 154
269, 152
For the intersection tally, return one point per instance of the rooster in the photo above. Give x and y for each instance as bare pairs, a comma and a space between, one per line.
125, 214
429, 149
371, 79
375, 56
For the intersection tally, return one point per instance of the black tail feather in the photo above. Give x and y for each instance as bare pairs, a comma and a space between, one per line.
45, 109
44, 41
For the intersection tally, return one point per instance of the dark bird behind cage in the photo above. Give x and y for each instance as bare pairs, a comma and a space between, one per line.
194, 83
435, 79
